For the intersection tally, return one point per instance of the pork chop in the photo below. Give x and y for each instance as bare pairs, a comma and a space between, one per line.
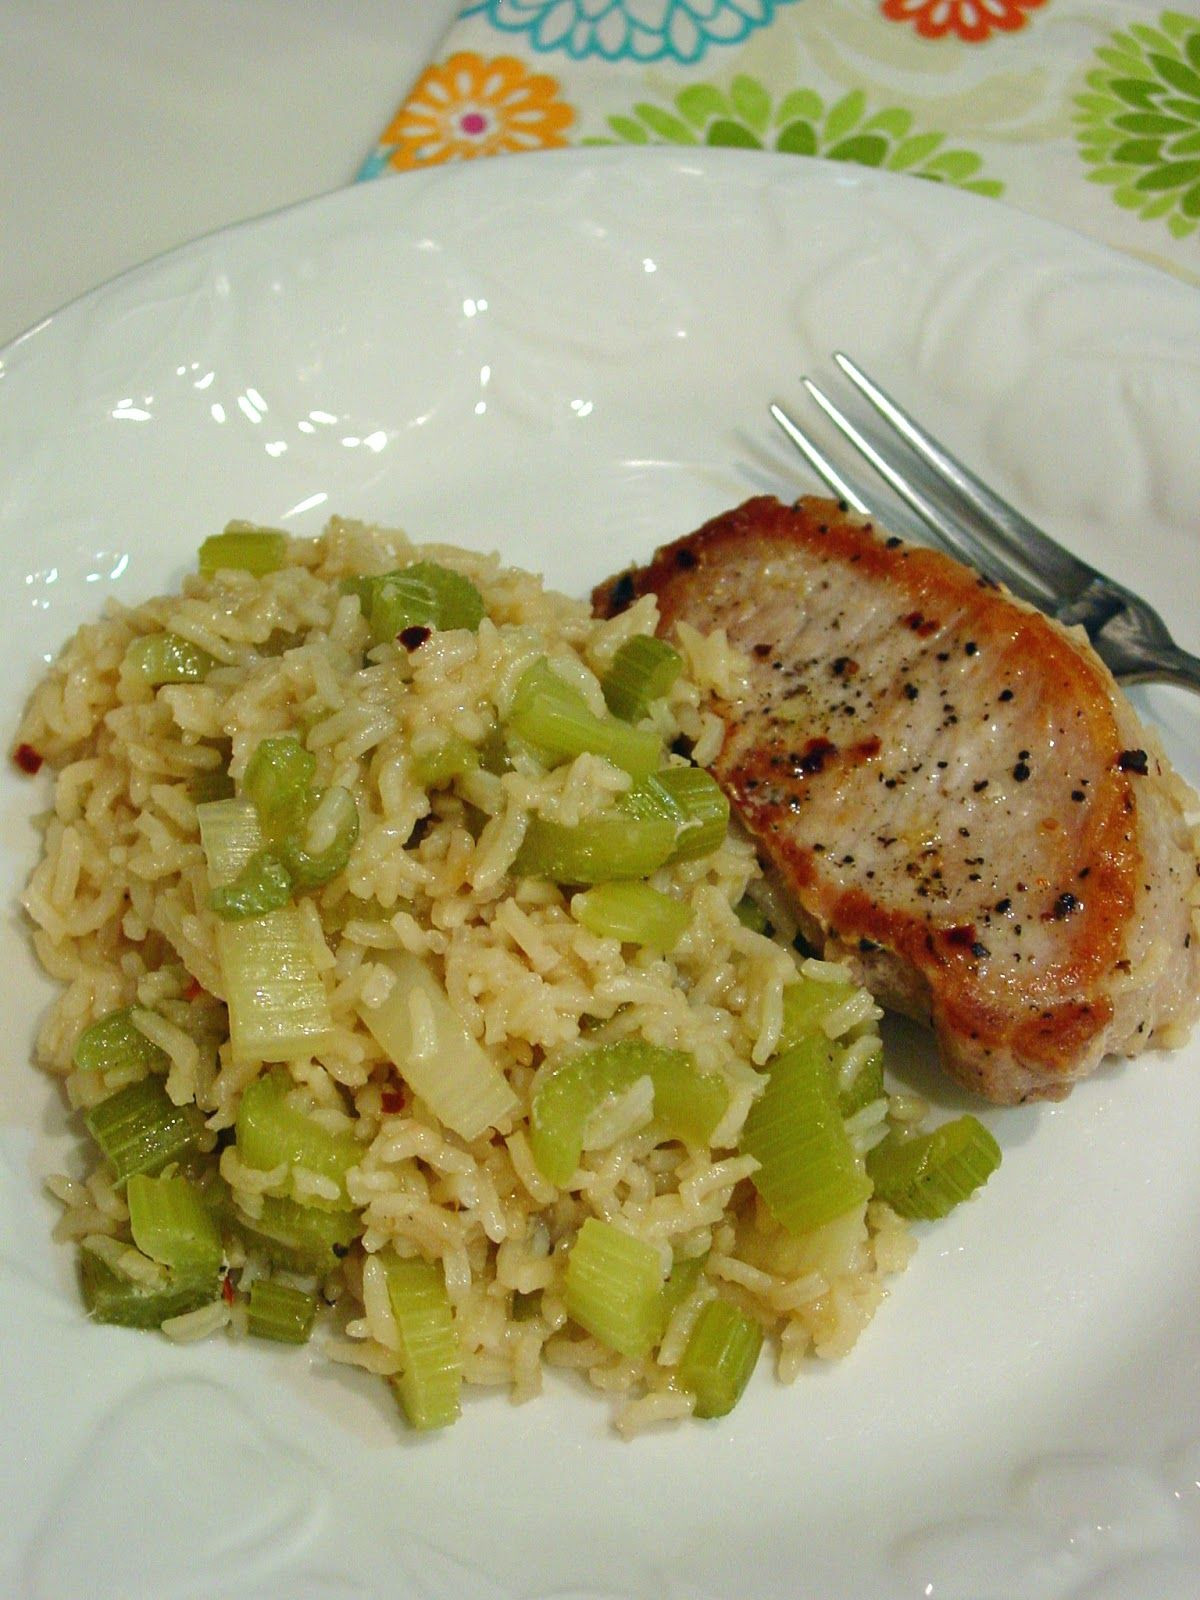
952, 790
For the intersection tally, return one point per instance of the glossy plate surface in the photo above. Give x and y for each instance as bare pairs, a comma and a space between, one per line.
568, 357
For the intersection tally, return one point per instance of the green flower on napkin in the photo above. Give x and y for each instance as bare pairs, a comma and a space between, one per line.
800, 123
1139, 127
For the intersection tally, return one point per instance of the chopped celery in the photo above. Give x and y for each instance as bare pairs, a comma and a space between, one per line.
438, 757
614, 1288
230, 835
139, 1129
806, 1004
719, 1357
277, 780
271, 1131
114, 1044
278, 1311
147, 1300
553, 716
601, 850
158, 658
808, 1170
299, 1238
691, 800
335, 812
751, 915
634, 913
459, 602
264, 884
423, 594
172, 1224
436, 1053
688, 1103
683, 1278
928, 1175
278, 1008
243, 547
429, 1383
643, 670
866, 1087
398, 602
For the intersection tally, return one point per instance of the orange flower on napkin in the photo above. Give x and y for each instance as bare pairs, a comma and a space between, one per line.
971, 20
470, 105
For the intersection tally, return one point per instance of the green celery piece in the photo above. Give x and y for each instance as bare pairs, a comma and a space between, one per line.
243, 547
264, 884
299, 1238
429, 1384
614, 1288
683, 1278
720, 1357
453, 1073
808, 1170
688, 1103
441, 758
271, 1131
459, 602
751, 915
277, 780
111, 1296
553, 716
425, 594
603, 849
927, 1176
399, 602
806, 1003
643, 670
278, 1311
867, 1086
310, 870
158, 658
172, 1224
691, 800
113, 1043
634, 913
139, 1129
230, 836
278, 1008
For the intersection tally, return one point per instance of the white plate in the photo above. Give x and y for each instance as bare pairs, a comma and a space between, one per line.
569, 357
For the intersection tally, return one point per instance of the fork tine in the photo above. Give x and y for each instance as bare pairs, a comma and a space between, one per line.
951, 534
1042, 557
821, 465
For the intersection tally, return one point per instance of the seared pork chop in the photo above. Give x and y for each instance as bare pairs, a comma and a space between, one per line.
952, 790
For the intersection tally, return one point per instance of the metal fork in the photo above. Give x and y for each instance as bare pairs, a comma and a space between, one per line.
973, 523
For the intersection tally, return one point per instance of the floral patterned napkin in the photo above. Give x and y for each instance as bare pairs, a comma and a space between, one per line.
1084, 111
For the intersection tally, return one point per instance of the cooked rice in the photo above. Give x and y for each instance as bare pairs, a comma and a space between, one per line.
119, 908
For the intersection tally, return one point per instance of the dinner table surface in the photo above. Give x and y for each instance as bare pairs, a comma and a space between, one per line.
129, 128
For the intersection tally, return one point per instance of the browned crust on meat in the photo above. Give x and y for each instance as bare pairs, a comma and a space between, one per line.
1063, 1006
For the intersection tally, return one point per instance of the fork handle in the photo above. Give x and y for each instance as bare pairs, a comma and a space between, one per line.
1165, 663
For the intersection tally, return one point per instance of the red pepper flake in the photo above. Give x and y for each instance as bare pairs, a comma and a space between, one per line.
393, 1101
28, 759
227, 1289
194, 990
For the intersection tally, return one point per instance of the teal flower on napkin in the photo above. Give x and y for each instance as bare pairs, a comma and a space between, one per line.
1139, 126
636, 30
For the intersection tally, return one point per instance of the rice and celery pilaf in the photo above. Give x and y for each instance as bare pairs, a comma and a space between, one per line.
415, 990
